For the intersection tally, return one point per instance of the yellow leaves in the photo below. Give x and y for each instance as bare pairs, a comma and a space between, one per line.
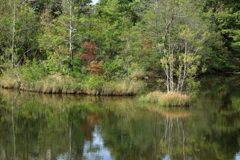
160, 44
167, 61
206, 34
192, 69
186, 32
57, 12
163, 60
204, 68
96, 68
19, 78
180, 65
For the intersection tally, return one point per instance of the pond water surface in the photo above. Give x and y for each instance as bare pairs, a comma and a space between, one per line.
72, 127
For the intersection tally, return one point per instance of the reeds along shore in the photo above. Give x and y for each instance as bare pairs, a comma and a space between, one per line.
70, 85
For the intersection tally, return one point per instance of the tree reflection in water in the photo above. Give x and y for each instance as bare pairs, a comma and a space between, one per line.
95, 149
38, 126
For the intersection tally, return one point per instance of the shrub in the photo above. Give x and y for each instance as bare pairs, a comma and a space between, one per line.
93, 85
77, 67
136, 71
96, 68
114, 69
95, 81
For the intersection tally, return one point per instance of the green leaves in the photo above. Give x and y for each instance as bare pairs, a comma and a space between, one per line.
133, 35
224, 16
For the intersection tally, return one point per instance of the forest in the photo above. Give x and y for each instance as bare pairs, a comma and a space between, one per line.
108, 48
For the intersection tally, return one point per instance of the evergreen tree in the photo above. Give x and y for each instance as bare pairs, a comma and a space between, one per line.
224, 17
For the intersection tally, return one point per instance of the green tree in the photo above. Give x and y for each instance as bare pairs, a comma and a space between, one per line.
52, 43
174, 32
61, 36
19, 30
224, 16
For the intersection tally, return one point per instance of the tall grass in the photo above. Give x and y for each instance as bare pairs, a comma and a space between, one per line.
68, 84
114, 88
35, 78
11, 78
167, 99
59, 84
9, 83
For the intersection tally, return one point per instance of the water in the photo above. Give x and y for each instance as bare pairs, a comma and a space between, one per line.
63, 127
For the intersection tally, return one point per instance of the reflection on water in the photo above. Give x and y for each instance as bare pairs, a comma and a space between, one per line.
95, 149
167, 157
237, 156
74, 127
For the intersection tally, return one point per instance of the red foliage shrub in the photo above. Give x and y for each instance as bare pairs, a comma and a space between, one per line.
89, 52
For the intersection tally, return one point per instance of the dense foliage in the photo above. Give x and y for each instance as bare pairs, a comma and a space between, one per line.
119, 39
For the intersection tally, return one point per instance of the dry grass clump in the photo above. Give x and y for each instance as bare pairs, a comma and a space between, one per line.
174, 99
7, 83
167, 99
10, 80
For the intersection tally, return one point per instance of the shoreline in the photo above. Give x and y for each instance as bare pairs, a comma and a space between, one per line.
72, 92
63, 86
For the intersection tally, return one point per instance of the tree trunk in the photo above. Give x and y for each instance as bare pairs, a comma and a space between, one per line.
13, 33
70, 30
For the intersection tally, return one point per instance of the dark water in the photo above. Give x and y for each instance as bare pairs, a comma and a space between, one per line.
63, 127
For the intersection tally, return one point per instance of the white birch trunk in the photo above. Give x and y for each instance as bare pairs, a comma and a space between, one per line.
171, 84
179, 77
13, 32
184, 65
172, 70
70, 30
167, 83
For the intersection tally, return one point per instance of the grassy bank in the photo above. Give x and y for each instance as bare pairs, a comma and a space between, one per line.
83, 77
92, 85
167, 99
